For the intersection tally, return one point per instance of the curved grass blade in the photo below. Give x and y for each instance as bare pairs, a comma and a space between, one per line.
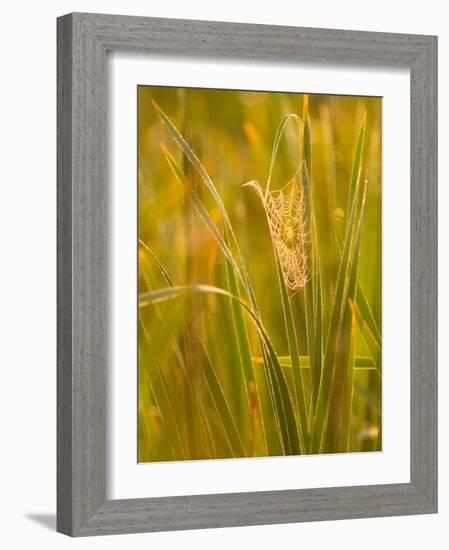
300, 399
162, 269
216, 391
289, 430
193, 159
277, 142
233, 273
195, 162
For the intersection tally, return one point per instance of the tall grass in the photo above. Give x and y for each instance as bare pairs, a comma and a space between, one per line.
218, 377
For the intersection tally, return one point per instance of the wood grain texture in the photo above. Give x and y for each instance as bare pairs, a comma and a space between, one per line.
83, 40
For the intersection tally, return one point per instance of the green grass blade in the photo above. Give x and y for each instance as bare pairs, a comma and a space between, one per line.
340, 300
343, 382
201, 171
244, 348
216, 392
318, 353
289, 430
339, 335
296, 366
357, 164
310, 290
193, 159
222, 406
360, 363
161, 394
243, 276
372, 343
366, 316
200, 208
370, 397
233, 273
365, 313
277, 142
162, 269
195, 162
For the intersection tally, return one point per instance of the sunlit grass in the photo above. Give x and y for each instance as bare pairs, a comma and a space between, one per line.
259, 312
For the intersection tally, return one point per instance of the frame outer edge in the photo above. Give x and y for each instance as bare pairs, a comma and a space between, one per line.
64, 274
424, 273
82, 268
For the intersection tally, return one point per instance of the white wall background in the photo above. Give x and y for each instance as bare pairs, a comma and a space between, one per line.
28, 268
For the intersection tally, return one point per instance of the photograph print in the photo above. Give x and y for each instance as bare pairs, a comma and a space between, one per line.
259, 274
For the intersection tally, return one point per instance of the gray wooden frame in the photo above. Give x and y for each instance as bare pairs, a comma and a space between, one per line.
83, 40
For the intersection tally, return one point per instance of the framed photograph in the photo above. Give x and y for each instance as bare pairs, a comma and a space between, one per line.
247, 274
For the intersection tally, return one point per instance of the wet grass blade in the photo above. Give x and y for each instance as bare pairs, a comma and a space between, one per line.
241, 275
339, 333
222, 407
244, 349
357, 164
284, 406
201, 171
310, 290
373, 345
216, 392
195, 162
298, 384
366, 316
277, 142
200, 208
365, 313
233, 272
339, 303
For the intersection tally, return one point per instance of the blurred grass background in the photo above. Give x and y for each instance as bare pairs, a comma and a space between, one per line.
232, 133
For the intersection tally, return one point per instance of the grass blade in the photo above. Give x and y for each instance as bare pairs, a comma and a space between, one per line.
343, 381
310, 290
210, 224
285, 361
201, 171
216, 392
340, 301
289, 430
295, 362
244, 348
357, 164
222, 407
243, 277
160, 393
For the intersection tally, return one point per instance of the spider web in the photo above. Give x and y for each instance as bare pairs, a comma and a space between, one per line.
285, 210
